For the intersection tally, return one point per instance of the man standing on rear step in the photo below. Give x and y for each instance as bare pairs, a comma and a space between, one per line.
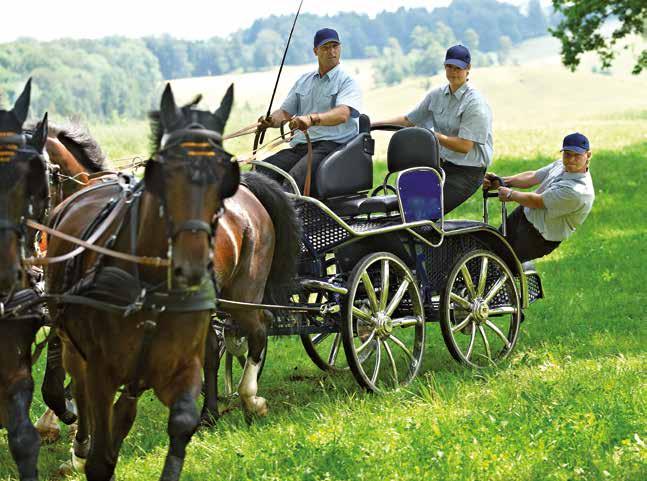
326, 103
562, 202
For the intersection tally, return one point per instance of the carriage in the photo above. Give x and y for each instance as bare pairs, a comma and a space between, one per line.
376, 265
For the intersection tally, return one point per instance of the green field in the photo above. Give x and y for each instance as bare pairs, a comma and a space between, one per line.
571, 403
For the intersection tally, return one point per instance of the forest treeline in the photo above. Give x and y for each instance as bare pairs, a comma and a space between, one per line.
117, 77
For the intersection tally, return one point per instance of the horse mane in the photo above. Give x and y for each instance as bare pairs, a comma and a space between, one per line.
77, 139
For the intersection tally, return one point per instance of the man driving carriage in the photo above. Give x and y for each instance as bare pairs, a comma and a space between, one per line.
562, 202
326, 103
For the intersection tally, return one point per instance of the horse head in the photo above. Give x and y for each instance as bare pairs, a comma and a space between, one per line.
191, 175
24, 185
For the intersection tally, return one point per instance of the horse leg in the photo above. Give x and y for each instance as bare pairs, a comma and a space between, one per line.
182, 423
125, 411
102, 457
81, 445
53, 389
210, 413
253, 405
24, 441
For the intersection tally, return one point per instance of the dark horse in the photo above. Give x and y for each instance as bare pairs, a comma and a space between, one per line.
23, 194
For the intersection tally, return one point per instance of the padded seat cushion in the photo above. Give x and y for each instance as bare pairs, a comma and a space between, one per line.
353, 206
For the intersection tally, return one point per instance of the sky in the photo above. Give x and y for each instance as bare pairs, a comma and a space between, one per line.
189, 19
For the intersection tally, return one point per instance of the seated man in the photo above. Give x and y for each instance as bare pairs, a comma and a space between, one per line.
326, 103
562, 202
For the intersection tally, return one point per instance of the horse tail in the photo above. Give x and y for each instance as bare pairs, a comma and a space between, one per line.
287, 229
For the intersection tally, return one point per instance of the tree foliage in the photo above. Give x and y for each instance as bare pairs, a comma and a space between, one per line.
580, 29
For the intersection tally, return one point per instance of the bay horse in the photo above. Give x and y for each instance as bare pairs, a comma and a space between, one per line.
23, 194
179, 210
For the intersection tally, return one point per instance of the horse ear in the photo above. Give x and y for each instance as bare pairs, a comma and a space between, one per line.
21, 107
169, 112
231, 181
39, 138
225, 105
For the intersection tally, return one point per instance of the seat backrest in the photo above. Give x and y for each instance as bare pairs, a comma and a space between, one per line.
349, 169
420, 193
413, 147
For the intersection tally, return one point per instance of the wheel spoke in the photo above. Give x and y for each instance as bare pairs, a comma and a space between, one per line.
378, 360
482, 277
397, 297
394, 368
498, 332
401, 345
496, 287
319, 338
384, 297
464, 303
470, 346
370, 291
467, 277
364, 316
407, 321
499, 311
366, 343
463, 324
334, 350
485, 342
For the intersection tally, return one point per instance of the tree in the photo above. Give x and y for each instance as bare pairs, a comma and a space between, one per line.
536, 23
580, 29
471, 39
392, 67
505, 47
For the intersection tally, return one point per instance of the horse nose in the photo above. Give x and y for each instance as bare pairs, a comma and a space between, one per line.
188, 276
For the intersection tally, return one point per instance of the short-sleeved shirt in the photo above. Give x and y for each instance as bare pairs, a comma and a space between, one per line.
568, 198
315, 94
464, 114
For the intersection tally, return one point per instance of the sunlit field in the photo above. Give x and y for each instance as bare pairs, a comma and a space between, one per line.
571, 402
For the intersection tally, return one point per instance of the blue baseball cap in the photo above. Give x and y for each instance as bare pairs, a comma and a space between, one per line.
325, 35
575, 143
459, 56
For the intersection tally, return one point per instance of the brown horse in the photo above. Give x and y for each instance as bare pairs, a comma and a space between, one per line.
178, 213
23, 194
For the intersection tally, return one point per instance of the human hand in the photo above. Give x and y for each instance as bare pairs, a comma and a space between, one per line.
301, 122
265, 123
505, 194
491, 181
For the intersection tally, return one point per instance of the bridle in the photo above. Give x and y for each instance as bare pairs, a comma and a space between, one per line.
199, 152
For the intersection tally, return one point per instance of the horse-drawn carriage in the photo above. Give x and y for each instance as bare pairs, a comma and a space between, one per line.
375, 266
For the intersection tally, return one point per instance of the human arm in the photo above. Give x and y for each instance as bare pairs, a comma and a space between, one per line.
401, 120
335, 116
523, 180
526, 199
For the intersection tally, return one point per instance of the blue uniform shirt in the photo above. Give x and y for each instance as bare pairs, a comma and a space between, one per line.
315, 94
464, 114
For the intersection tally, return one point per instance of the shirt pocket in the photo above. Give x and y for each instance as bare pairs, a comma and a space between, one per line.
304, 99
327, 99
438, 113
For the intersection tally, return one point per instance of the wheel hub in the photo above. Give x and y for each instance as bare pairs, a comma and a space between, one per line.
480, 311
383, 325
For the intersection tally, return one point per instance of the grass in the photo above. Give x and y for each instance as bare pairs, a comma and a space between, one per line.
571, 403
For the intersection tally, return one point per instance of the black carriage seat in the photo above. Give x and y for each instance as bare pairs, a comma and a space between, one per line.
348, 170
409, 147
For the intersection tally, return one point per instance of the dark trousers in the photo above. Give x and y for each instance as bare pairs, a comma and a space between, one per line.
294, 161
525, 239
460, 183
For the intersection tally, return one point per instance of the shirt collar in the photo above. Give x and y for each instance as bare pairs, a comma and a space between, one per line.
459, 93
330, 74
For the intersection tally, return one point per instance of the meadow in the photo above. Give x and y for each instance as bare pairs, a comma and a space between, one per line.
571, 402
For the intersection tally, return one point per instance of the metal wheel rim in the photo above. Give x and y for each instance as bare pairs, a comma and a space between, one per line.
384, 334
481, 310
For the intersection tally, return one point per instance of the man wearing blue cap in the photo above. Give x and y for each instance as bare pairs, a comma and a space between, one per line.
562, 202
326, 103
462, 122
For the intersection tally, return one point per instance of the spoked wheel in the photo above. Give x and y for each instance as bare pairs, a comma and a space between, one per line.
383, 324
480, 310
325, 349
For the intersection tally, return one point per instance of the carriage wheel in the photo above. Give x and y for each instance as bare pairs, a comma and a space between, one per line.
325, 349
480, 310
383, 324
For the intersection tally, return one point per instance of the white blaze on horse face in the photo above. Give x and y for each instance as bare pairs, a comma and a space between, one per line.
249, 387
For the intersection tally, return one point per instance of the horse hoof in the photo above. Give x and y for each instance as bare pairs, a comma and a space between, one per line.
258, 408
78, 463
48, 428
